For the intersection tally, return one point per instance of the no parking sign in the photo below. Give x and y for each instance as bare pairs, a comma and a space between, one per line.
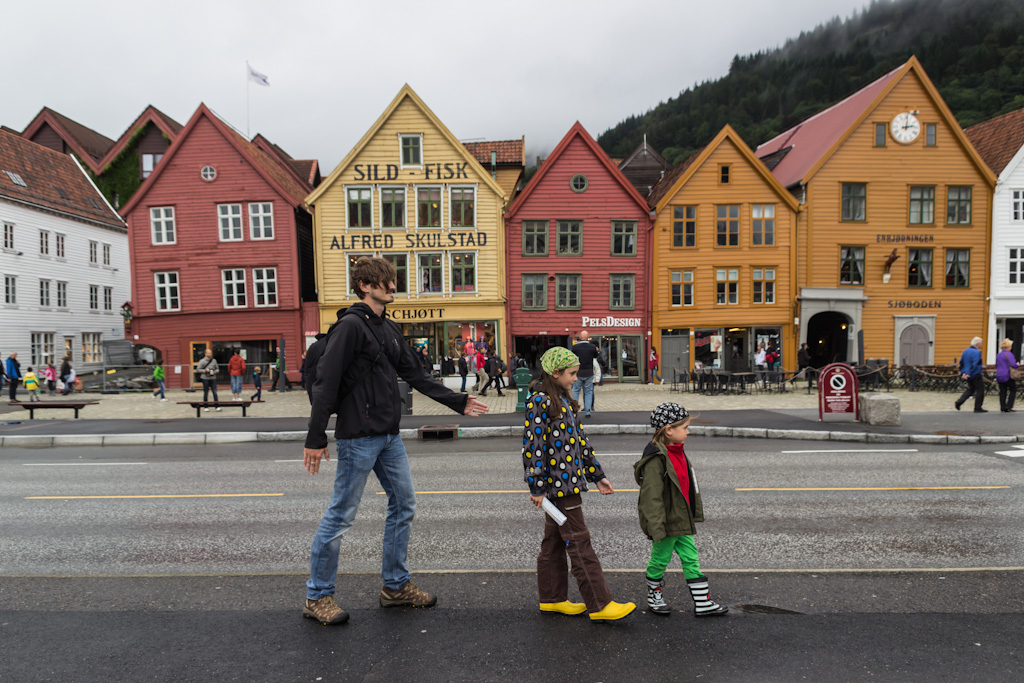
837, 394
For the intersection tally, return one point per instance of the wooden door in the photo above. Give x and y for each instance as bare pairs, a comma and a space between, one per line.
914, 346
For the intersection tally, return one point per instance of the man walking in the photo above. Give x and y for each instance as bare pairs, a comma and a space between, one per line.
357, 377
970, 370
588, 353
13, 374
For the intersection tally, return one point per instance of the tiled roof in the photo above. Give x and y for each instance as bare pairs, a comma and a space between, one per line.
273, 166
670, 178
813, 138
508, 152
94, 144
52, 181
173, 125
998, 140
307, 168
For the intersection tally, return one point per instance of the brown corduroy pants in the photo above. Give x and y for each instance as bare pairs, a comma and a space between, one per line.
572, 539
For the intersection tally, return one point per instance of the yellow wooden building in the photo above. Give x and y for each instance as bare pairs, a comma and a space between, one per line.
723, 260
410, 192
893, 239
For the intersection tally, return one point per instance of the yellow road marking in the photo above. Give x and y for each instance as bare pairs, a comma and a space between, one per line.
167, 495
438, 493
881, 488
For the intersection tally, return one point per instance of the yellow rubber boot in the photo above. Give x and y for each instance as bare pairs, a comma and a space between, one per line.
613, 611
564, 607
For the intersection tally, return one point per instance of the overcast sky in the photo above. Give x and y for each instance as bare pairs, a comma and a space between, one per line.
488, 70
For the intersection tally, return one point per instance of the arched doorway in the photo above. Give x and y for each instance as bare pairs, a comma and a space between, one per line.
914, 346
827, 338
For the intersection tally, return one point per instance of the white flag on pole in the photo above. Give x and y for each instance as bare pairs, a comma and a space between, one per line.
256, 77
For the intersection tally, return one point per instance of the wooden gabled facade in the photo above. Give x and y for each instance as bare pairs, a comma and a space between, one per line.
577, 253
723, 256
410, 192
221, 244
893, 241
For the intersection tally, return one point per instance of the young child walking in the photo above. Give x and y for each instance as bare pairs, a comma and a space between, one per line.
669, 507
257, 384
158, 377
558, 460
31, 385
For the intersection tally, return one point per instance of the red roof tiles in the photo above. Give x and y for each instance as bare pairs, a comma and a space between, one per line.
509, 152
998, 140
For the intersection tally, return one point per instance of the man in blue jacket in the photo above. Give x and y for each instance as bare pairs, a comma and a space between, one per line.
357, 378
13, 374
970, 370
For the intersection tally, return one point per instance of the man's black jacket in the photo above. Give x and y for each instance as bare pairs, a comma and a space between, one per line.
370, 404
587, 353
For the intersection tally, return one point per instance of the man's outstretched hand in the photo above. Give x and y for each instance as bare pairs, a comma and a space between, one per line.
474, 407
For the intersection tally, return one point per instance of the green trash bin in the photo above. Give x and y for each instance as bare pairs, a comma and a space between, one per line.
522, 377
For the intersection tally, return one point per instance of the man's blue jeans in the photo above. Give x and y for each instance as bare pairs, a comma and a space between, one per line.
385, 455
587, 385
236, 384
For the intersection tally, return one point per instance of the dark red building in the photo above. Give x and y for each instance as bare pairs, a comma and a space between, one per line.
577, 255
221, 249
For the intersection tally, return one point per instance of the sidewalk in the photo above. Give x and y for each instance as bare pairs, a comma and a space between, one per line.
927, 417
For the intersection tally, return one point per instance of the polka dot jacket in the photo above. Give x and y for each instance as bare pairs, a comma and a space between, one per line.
557, 456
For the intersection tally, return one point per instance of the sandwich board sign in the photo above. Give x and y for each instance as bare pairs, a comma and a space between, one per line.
837, 394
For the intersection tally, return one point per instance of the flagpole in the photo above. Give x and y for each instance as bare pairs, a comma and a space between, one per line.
248, 87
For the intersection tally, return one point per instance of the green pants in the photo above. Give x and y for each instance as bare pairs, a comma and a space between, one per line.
661, 555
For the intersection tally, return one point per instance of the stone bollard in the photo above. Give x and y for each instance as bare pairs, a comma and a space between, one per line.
880, 409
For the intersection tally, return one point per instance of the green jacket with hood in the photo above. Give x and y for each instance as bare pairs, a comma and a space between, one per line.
662, 506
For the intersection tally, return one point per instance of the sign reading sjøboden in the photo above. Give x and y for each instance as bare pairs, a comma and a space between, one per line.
837, 394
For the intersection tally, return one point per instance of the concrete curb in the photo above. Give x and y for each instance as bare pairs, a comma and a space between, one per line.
211, 438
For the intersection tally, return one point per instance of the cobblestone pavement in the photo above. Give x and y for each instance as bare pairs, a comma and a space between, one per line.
610, 398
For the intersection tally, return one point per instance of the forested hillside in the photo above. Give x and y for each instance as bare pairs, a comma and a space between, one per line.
973, 50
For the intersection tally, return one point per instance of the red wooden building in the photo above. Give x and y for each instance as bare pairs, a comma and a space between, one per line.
577, 254
221, 249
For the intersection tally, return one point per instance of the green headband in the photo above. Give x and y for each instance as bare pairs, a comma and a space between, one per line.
558, 358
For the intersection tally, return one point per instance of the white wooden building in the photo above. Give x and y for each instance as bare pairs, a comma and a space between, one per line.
64, 259
1000, 142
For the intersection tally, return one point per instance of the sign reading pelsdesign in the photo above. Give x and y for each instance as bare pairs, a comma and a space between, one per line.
610, 321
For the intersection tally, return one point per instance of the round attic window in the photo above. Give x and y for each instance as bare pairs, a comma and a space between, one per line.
578, 183
208, 173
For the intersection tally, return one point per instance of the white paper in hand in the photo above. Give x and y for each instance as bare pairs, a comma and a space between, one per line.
553, 512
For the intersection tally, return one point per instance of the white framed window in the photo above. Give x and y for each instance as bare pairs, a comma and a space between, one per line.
94, 252
392, 207
69, 349
62, 294
264, 286
1016, 212
94, 297
687, 287
411, 149
44, 293
44, 242
676, 288
727, 284
8, 235
149, 162
1015, 266
429, 273
168, 297
359, 206
462, 207
208, 173
261, 221
462, 265
11, 289
233, 280
42, 348
401, 264
428, 207
763, 282
230, 218
161, 220
762, 224
60, 239
108, 299
92, 347
106, 254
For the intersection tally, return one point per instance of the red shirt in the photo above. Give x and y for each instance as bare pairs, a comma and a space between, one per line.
678, 460
236, 366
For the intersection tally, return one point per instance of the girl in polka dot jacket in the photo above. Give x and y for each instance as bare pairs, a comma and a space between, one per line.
558, 460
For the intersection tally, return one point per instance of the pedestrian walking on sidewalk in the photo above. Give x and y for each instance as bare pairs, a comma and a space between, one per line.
357, 378
463, 369
236, 371
652, 366
971, 371
670, 506
158, 377
558, 459
50, 373
207, 369
257, 384
31, 385
587, 352
13, 370
1007, 384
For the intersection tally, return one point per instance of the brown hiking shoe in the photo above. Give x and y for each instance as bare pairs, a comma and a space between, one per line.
407, 595
325, 610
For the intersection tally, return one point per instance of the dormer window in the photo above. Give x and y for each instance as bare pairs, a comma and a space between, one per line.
411, 149
149, 162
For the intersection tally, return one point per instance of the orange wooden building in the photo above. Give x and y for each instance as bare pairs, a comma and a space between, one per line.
723, 255
893, 240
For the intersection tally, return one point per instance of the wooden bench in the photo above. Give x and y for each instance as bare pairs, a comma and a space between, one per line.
32, 406
198, 405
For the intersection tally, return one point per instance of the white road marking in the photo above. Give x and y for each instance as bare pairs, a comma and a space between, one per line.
860, 450
79, 464
299, 460
1012, 454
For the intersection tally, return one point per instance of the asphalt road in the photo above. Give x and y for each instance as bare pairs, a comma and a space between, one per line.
825, 582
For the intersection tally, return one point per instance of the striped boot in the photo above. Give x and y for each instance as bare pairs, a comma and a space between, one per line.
655, 600
703, 605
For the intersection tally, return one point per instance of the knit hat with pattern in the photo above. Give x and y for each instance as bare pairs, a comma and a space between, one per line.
558, 358
668, 414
